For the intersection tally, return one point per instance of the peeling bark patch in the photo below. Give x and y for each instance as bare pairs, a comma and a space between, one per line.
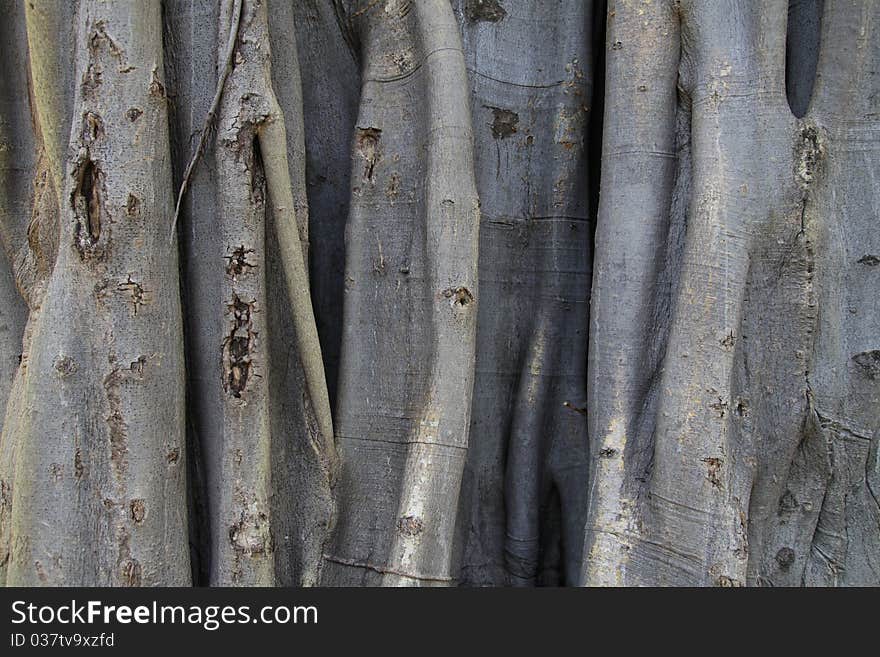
116, 423
504, 122
136, 293
251, 535
5, 497
410, 526
65, 366
137, 366
138, 510
869, 361
57, 471
713, 471
719, 407
402, 60
368, 148
392, 189
133, 114
100, 42
93, 128
809, 152
728, 341
237, 263
132, 206
459, 296
157, 89
238, 347
489, 11
172, 456
78, 468
870, 260
131, 572
607, 452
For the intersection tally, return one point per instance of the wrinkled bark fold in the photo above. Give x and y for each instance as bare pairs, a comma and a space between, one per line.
478, 292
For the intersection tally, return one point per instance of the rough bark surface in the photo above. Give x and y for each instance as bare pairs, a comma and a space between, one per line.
438, 292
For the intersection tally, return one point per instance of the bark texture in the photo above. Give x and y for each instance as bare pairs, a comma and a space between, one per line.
439, 292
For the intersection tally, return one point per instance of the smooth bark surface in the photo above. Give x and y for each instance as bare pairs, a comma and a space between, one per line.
440, 292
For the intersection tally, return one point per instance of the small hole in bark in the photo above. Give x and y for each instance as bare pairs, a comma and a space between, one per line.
870, 260
785, 557
504, 122
87, 205
713, 471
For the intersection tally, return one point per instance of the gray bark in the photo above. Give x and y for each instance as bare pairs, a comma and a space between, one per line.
478, 292
406, 367
716, 461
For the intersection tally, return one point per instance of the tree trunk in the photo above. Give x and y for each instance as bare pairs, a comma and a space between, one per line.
325, 292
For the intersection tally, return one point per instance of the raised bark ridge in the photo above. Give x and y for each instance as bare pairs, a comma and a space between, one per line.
325, 292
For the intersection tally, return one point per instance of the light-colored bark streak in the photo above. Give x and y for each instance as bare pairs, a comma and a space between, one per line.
99, 471
433, 471
637, 183
44, 23
21, 138
273, 146
411, 272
